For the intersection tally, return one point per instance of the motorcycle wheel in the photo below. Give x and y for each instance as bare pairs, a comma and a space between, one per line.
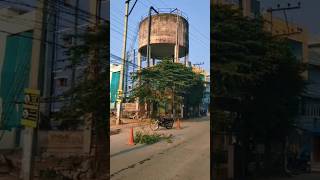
154, 125
169, 125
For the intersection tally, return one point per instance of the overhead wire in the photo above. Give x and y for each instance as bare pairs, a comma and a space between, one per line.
42, 40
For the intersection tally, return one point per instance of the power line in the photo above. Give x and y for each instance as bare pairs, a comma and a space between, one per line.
154, 5
81, 16
20, 35
199, 32
143, 4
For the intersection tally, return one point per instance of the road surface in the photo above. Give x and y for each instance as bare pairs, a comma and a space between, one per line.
311, 176
187, 158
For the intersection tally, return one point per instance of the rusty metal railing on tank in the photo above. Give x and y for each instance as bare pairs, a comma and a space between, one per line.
168, 11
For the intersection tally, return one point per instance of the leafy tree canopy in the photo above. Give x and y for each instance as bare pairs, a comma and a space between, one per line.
159, 82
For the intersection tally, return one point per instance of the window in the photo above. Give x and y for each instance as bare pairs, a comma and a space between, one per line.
62, 82
67, 2
67, 40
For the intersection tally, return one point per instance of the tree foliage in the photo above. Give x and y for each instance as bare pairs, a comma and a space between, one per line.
89, 94
256, 78
161, 82
87, 100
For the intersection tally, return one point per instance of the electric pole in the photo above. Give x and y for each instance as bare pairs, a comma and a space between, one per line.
29, 135
284, 10
75, 43
124, 59
149, 34
94, 69
122, 68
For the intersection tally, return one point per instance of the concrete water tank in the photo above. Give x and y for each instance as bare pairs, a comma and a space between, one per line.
164, 35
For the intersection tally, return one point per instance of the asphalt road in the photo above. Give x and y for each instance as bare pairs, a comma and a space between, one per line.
187, 158
311, 176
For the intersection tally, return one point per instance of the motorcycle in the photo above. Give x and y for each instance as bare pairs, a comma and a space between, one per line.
161, 121
300, 164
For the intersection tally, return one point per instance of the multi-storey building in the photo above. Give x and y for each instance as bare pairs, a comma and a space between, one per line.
70, 17
249, 7
297, 38
17, 22
205, 77
17, 25
309, 119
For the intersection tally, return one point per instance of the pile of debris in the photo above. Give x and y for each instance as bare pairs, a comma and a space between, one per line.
72, 167
10, 163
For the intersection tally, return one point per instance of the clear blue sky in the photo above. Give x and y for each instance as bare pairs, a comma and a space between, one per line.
197, 11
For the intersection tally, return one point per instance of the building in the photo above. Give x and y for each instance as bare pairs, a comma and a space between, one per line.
15, 57
16, 40
309, 119
249, 7
206, 97
114, 84
296, 35
62, 75
297, 38
205, 77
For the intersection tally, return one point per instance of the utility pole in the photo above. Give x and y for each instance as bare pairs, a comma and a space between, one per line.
149, 35
139, 80
173, 106
93, 68
122, 68
284, 10
149, 46
124, 59
126, 75
75, 43
29, 135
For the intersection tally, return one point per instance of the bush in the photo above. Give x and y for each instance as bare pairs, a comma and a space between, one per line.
144, 138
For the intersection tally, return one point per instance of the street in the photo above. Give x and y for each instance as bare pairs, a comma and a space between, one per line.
312, 176
187, 157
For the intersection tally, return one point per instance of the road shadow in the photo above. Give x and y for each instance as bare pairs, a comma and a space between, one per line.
128, 150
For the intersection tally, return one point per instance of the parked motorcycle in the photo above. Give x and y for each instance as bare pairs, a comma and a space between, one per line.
161, 121
299, 164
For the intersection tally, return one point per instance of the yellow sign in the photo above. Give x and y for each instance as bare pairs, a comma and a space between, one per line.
30, 113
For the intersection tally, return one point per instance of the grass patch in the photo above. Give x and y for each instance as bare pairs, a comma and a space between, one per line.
146, 138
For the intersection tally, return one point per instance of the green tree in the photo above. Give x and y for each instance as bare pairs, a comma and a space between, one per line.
88, 99
256, 79
167, 82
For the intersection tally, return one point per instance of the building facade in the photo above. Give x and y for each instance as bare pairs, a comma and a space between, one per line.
15, 57
114, 84
297, 39
71, 17
309, 119
249, 7
205, 77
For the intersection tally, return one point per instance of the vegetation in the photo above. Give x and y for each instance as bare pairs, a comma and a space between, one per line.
257, 84
168, 83
144, 138
87, 101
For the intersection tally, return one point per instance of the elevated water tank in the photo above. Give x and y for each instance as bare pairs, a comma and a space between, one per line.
163, 36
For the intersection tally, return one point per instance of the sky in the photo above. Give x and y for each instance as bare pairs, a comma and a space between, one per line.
197, 11
307, 16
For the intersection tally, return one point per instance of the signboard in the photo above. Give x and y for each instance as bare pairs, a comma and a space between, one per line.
30, 114
129, 107
65, 139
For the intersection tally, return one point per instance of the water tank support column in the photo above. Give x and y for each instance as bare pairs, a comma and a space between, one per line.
176, 53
